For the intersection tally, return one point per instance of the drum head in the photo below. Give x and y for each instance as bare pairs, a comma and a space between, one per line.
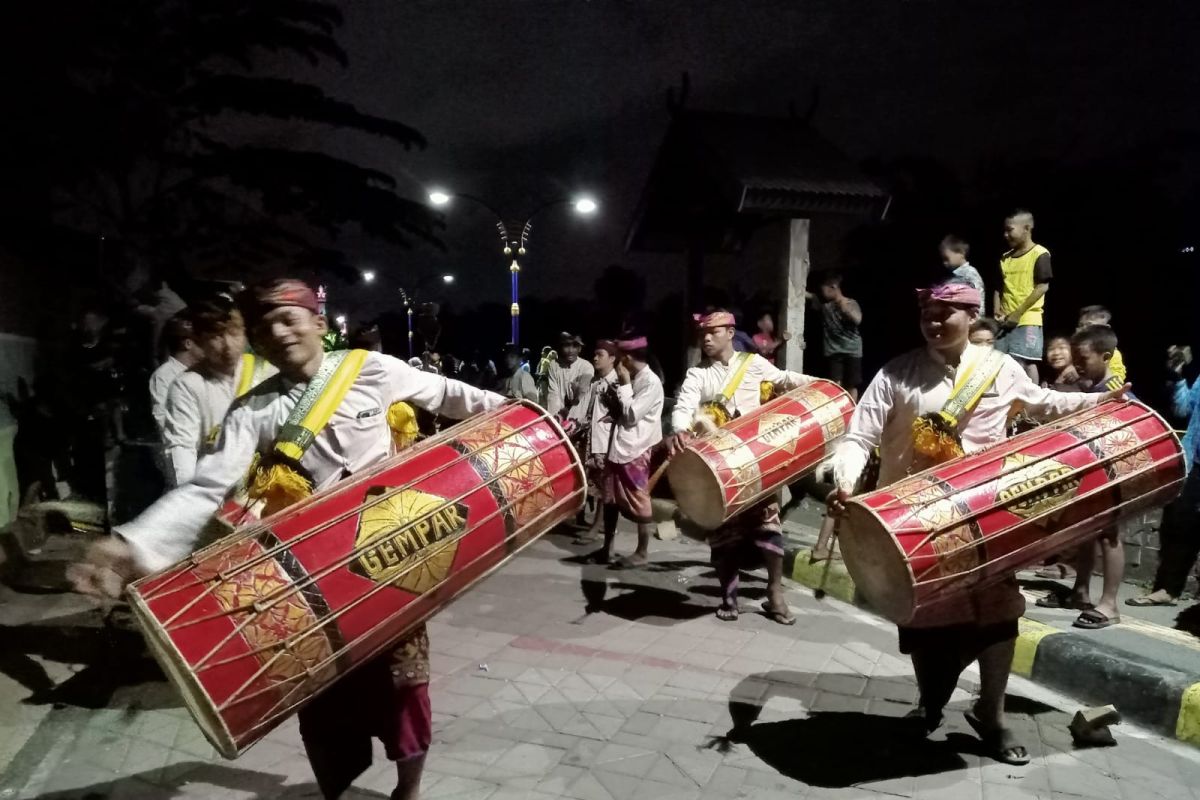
700, 496
877, 565
172, 662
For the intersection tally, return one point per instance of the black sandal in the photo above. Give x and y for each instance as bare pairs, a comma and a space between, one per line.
999, 743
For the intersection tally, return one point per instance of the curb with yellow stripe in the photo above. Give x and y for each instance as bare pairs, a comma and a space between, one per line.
1151, 694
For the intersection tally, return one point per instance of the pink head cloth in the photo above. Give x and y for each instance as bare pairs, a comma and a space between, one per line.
956, 294
636, 343
717, 319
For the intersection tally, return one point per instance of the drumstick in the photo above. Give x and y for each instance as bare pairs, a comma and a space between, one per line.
658, 473
819, 592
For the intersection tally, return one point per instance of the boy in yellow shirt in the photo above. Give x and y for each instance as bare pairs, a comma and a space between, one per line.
1025, 278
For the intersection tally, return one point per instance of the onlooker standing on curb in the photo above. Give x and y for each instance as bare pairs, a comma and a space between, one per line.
1180, 542
1025, 274
840, 318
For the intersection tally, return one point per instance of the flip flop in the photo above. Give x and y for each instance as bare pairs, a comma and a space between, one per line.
784, 617
624, 562
1061, 600
1094, 620
1148, 600
727, 614
999, 743
1055, 572
598, 557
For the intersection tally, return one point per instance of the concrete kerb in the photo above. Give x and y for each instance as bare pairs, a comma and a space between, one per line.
1151, 694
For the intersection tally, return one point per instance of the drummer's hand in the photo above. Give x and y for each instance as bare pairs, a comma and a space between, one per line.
1116, 394
623, 374
835, 502
677, 442
1069, 374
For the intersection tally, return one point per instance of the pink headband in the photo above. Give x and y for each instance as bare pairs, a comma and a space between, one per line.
956, 294
717, 319
628, 345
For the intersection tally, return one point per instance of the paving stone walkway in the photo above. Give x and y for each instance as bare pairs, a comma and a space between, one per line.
559, 680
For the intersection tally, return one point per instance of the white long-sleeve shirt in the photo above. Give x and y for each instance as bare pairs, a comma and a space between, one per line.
704, 384
196, 404
919, 383
356, 437
639, 422
593, 404
160, 382
563, 382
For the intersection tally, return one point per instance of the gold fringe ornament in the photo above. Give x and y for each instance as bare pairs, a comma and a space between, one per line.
935, 439
766, 392
277, 484
402, 419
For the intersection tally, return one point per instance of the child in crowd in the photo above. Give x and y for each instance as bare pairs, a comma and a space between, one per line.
954, 258
1092, 349
1099, 315
984, 331
1061, 374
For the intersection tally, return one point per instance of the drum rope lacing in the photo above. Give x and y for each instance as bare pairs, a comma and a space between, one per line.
285, 644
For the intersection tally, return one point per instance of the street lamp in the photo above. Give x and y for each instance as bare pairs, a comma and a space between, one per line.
410, 300
511, 245
368, 275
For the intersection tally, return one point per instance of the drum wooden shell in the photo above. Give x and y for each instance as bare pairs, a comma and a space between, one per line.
750, 457
980, 518
255, 625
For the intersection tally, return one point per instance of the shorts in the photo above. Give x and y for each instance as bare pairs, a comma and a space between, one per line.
624, 485
845, 370
1023, 342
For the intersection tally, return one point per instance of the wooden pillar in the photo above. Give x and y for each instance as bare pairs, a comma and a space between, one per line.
794, 271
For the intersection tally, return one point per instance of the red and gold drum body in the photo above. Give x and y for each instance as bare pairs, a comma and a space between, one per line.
750, 457
253, 626
980, 518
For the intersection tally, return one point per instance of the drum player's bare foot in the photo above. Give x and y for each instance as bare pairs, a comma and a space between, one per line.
777, 611
632, 561
727, 613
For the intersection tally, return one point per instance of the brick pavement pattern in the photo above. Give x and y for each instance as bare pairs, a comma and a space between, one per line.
559, 680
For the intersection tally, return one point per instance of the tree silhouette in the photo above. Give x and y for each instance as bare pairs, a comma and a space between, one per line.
168, 126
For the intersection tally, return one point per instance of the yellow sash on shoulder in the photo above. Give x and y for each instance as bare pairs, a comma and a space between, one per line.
246, 379
935, 436
717, 409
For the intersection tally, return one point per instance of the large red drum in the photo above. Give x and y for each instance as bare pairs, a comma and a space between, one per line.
252, 627
729, 470
979, 518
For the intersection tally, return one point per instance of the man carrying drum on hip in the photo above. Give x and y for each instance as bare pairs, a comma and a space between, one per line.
922, 408
729, 386
386, 698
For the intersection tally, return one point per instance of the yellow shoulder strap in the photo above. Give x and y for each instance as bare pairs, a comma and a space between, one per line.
735, 380
976, 379
246, 379
312, 413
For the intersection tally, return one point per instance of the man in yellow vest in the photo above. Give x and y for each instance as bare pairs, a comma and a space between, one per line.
199, 398
1025, 273
388, 698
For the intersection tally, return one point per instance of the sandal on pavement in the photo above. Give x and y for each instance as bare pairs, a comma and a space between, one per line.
727, 614
784, 617
629, 562
1062, 600
1150, 600
1055, 572
999, 743
1094, 620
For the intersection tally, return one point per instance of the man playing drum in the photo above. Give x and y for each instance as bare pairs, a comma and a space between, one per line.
922, 408
387, 698
730, 385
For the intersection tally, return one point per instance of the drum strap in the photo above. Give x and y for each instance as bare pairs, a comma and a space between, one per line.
321, 398
246, 379
976, 379
935, 436
735, 380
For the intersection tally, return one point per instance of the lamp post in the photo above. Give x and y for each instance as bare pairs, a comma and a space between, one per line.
515, 246
410, 299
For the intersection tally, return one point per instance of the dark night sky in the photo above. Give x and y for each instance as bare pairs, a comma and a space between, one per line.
521, 99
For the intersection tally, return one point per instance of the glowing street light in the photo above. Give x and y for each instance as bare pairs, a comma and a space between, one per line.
368, 275
514, 239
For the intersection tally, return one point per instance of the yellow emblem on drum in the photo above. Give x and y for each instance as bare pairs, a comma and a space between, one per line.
408, 539
1030, 486
780, 431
